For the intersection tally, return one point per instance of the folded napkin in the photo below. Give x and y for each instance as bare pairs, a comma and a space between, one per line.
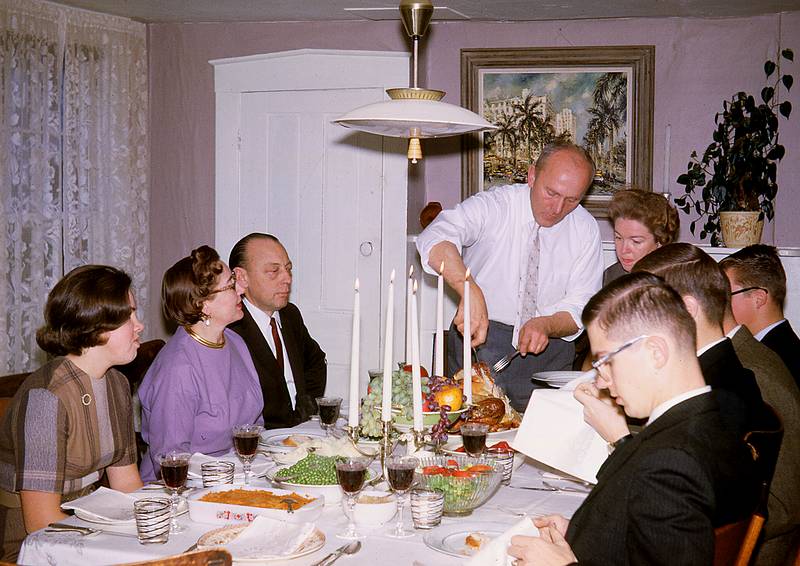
495, 552
267, 538
553, 432
105, 504
259, 466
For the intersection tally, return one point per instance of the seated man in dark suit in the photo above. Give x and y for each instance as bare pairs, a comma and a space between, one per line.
705, 290
289, 362
758, 282
660, 493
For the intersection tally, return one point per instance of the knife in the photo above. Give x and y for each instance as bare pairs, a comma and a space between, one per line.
64, 527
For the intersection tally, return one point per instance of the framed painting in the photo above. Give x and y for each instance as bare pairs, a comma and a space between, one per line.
600, 98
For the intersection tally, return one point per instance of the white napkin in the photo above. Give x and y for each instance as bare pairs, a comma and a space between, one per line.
105, 504
259, 466
495, 553
553, 432
268, 538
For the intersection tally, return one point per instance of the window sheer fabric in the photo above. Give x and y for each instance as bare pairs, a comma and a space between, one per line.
73, 159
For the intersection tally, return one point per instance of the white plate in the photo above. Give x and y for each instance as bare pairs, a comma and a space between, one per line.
492, 437
260, 465
275, 442
183, 507
226, 513
218, 537
451, 539
452, 446
556, 378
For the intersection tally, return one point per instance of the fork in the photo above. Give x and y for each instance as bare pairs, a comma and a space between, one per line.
503, 362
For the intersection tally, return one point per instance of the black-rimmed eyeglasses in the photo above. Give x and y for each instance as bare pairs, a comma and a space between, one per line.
746, 289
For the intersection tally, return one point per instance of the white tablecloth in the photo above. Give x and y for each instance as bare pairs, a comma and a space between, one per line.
505, 506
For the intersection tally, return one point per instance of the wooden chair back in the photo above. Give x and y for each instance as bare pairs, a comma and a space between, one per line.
734, 543
765, 444
8, 387
213, 557
135, 370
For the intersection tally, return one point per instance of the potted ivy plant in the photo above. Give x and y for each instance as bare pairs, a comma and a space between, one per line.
737, 171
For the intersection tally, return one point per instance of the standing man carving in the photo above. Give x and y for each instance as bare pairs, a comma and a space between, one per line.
535, 259
290, 364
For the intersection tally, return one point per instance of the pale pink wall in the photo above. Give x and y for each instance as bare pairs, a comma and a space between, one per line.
699, 62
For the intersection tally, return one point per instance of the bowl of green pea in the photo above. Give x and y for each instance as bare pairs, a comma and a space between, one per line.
313, 474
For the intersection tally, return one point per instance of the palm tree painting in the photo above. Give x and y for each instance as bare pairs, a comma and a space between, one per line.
533, 109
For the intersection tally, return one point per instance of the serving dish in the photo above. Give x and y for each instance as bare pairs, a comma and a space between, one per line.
226, 513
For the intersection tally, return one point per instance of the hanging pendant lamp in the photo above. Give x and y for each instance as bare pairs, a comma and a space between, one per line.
414, 112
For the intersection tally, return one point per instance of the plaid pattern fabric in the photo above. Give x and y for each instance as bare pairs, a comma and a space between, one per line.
49, 439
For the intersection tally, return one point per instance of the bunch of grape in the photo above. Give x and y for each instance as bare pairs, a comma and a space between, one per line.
437, 383
401, 395
311, 470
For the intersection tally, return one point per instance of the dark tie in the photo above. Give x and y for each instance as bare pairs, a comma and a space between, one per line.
278, 346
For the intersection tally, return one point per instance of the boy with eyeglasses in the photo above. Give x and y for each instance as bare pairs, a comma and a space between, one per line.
660, 493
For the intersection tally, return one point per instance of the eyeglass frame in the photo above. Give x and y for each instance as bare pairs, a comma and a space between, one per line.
232, 281
753, 288
603, 360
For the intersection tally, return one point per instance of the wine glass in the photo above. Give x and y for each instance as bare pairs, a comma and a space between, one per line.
401, 477
351, 473
328, 412
174, 471
245, 441
473, 435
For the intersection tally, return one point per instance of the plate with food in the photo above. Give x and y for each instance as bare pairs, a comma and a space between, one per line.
265, 540
456, 447
463, 539
225, 504
286, 442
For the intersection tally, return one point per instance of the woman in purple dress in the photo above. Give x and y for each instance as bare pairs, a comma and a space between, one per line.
203, 382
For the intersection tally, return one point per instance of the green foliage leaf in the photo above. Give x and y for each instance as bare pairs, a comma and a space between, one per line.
788, 54
683, 179
702, 234
691, 226
785, 108
787, 81
769, 68
767, 93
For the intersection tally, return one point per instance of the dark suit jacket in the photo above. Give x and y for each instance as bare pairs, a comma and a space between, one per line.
786, 344
735, 387
660, 495
308, 367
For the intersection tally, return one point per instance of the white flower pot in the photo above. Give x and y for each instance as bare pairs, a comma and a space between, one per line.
740, 229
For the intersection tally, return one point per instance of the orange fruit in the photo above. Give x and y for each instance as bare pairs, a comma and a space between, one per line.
449, 395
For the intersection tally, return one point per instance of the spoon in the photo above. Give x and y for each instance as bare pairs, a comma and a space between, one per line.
350, 548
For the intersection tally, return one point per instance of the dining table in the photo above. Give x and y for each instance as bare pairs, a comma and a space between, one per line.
529, 493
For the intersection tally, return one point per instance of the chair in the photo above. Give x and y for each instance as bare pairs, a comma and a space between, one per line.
734, 543
8, 387
213, 557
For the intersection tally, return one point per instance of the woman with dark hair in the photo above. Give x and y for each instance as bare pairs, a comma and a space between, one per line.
642, 221
71, 420
203, 382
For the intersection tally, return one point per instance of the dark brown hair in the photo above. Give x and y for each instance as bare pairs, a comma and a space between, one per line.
88, 301
640, 303
691, 271
759, 265
238, 257
549, 150
188, 284
651, 209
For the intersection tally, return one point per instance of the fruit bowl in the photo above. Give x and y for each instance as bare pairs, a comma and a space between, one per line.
428, 419
464, 490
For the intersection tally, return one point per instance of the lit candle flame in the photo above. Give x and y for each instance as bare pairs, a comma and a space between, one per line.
410, 271
466, 276
415, 286
391, 277
356, 285
441, 268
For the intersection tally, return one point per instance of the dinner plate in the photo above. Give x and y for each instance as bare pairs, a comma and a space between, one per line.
260, 465
492, 437
451, 539
275, 442
452, 446
556, 378
183, 507
223, 535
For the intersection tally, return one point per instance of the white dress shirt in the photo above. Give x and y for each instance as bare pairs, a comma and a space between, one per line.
667, 405
263, 322
764, 331
493, 229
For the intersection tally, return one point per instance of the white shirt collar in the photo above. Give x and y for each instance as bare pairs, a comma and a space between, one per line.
765, 331
710, 345
733, 331
667, 405
261, 318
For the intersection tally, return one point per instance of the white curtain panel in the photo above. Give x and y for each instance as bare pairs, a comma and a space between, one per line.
73, 159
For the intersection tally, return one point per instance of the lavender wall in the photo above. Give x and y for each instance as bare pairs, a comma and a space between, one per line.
699, 62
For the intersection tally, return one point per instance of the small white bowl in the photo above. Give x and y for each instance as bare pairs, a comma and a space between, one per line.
373, 514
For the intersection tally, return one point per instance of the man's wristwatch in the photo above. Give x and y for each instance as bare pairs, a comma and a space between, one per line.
619, 442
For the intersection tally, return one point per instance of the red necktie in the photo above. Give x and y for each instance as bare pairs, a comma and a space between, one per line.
278, 346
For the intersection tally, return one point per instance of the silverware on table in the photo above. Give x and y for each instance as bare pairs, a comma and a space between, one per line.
190, 549
503, 362
85, 531
350, 548
547, 487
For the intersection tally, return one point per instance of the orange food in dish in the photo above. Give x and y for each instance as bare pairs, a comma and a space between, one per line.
256, 498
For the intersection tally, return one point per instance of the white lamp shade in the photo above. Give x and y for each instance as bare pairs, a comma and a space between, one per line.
396, 118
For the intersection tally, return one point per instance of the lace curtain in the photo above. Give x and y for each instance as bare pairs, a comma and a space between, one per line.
73, 159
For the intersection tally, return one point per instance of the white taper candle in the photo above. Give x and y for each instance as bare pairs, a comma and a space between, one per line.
386, 406
355, 397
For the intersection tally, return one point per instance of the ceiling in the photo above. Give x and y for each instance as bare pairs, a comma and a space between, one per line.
156, 11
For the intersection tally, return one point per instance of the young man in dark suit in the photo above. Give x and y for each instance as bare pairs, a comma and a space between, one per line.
660, 493
290, 364
758, 284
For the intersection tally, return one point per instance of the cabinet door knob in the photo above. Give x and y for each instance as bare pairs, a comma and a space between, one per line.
366, 249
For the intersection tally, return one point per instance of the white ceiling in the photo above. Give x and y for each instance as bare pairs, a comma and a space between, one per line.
152, 11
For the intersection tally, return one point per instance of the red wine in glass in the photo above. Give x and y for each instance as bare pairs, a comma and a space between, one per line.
474, 438
400, 471
351, 477
328, 412
401, 477
175, 473
246, 443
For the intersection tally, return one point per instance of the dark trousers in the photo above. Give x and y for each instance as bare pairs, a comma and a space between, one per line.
516, 378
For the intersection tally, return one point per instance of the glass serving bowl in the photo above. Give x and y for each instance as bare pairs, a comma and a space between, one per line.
463, 491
